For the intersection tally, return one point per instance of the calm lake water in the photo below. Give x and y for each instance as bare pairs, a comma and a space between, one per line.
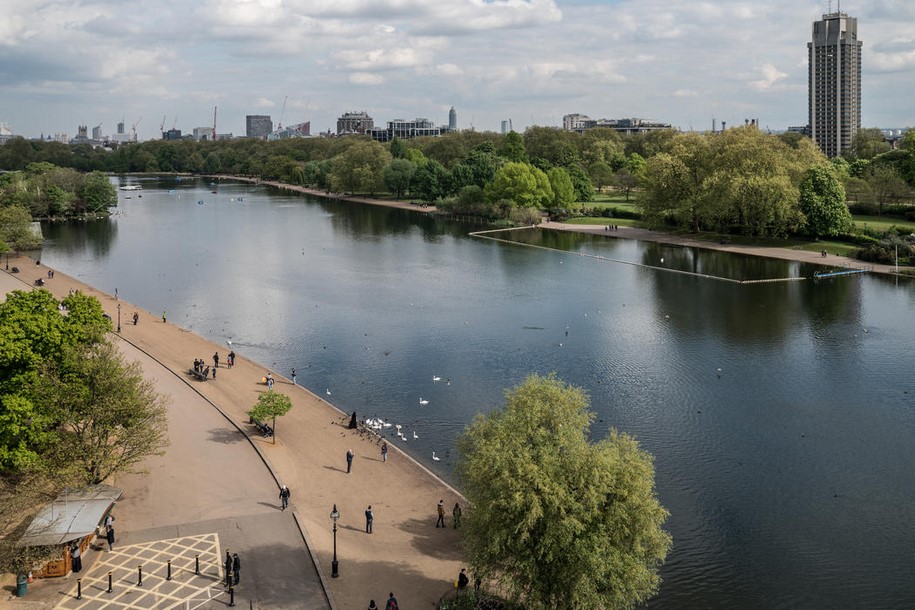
788, 477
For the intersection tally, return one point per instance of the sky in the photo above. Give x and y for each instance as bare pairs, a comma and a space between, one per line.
69, 62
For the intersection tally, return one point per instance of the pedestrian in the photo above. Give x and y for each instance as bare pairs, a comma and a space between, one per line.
372, 605
206, 371
384, 452
456, 514
269, 381
349, 460
369, 516
284, 496
164, 319
392, 602
462, 580
231, 358
109, 520
214, 372
216, 360
136, 318
293, 376
236, 567
75, 555
109, 535
441, 514
228, 566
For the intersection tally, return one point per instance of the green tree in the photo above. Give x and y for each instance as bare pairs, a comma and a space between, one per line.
360, 168
561, 185
513, 147
601, 174
584, 190
97, 193
270, 405
624, 181
886, 184
822, 201
108, 417
397, 176
520, 183
16, 229
867, 144
398, 149
561, 521
431, 181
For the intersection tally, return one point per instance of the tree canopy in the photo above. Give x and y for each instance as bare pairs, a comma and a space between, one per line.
270, 405
560, 521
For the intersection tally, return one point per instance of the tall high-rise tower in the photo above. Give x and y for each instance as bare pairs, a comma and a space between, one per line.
834, 65
452, 119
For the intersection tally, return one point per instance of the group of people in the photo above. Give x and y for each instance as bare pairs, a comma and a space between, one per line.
390, 605
233, 568
611, 228
203, 369
455, 515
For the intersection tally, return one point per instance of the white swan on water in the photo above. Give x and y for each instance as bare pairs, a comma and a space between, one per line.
415, 435
435, 457
423, 402
436, 378
328, 391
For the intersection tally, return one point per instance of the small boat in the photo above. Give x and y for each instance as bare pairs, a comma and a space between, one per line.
131, 187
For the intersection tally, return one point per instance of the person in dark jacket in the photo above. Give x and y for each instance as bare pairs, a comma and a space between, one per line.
236, 567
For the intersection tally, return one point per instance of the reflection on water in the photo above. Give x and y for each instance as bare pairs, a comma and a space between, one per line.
787, 473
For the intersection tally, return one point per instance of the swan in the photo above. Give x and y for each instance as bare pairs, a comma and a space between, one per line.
435, 457
398, 426
423, 402
415, 435
327, 391
436, 378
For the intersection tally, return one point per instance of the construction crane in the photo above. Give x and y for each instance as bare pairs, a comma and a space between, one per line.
162, 125
214, 123
279, 124
133, 128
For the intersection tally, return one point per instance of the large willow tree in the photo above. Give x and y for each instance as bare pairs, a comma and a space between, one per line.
560, 521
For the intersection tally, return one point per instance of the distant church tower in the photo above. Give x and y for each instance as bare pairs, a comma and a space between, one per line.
452, 119
835, 82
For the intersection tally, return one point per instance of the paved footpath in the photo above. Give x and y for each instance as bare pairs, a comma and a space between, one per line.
210, 482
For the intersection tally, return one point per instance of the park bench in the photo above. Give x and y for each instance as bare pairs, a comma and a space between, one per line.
198, 374
264, 428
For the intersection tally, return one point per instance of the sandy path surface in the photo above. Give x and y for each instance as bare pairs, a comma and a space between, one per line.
406, 553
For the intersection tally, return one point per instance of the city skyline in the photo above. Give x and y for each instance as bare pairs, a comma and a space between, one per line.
531, 61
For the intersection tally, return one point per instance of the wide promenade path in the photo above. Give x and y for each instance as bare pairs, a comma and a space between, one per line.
200, 482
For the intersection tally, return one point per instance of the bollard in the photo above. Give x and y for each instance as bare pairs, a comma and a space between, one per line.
169, 575
109, 583
79, 588
140, 576
231, 596
197, 565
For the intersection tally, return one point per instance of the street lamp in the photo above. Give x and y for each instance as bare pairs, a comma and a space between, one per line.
334, 515
119, 317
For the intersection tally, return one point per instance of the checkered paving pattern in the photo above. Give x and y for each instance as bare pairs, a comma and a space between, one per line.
185, 589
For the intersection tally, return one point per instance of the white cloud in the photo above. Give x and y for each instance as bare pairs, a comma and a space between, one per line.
770, 76
263, 102
366, 78
685, 93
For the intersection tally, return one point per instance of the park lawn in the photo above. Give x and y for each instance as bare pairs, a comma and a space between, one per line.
881, 223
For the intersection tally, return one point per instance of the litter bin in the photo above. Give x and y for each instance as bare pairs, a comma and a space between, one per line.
22, 584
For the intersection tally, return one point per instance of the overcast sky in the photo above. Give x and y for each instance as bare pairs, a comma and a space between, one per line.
70, 62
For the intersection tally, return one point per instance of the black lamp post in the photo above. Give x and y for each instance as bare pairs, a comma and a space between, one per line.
334, 515
119, 317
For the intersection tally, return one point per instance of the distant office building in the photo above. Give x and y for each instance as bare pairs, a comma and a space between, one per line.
801, 129
258, 125
575, 122
834, 70
452, 119
299, 130
505, 127
204, 134
121, 127
354, 122
97, 132
171, 134
581, 123
405, 130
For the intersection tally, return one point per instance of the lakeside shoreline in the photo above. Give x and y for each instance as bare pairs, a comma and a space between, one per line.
308, 456
790, 254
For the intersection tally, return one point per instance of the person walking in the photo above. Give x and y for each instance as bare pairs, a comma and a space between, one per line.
441, 514
293, 376
136, 318
392, 602
349, 460
284, 496
269, 381
164, 318
231, 361
372, 605
109, 536
384, 452
369, 517
236, 568
456, 515
216, 360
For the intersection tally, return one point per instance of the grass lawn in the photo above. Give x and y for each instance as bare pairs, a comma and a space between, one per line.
881, 223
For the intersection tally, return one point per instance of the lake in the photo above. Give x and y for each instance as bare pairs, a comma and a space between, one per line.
788, 473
